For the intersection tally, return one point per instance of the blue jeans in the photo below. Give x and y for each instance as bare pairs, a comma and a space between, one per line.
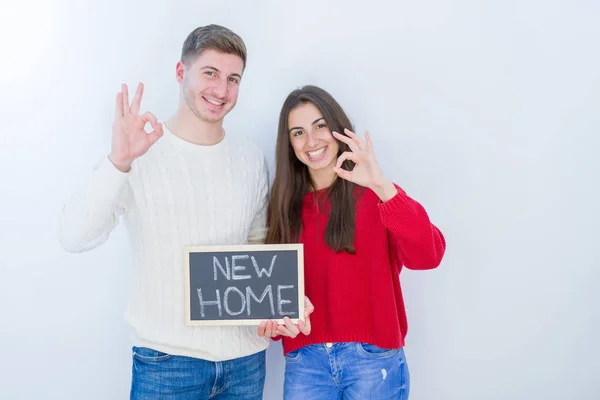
157, 375
346, 371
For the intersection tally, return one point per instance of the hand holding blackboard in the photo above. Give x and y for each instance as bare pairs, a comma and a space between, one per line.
244, 285
272, 328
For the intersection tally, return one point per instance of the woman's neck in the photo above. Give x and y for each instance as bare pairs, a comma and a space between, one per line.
323, 178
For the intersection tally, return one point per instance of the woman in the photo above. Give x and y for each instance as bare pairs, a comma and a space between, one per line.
358, 229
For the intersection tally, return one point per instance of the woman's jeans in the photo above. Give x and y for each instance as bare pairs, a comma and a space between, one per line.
346, 371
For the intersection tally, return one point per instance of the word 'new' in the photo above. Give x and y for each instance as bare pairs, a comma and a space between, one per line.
232, 271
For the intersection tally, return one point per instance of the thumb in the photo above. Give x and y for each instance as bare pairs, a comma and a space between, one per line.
156, 133
308, 307
305, 327
342, 173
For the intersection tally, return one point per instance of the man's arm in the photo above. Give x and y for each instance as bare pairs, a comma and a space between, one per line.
93, 211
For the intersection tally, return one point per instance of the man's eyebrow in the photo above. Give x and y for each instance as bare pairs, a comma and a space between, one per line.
216, 70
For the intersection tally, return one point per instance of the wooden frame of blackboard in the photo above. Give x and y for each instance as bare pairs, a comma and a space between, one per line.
298, 247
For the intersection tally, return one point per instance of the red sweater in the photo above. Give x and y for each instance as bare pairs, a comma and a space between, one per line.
357, 297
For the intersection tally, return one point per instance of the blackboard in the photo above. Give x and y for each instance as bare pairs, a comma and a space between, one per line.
243, 285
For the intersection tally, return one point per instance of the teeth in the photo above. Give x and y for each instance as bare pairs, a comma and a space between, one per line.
216, 103
316, 153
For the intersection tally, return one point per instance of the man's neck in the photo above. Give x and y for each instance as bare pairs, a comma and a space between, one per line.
190, 128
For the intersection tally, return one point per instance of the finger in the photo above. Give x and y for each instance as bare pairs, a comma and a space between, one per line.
347, 155
137, 99
308, 307
369, 142
125, 99
268, 329
274, 325
284, 331
354, 137
119, 106
158, 129
149, 117
342, 173
261, 329
155, 134
342, 138
304, 327
291, 327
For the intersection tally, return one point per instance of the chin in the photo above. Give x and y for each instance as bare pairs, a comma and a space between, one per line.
208, 116
320, 165
212, 118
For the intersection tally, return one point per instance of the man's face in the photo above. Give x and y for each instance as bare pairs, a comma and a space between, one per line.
210, 84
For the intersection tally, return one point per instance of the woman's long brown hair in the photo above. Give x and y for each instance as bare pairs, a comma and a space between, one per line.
292, 180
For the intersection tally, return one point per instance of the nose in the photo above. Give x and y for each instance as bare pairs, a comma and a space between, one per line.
220, 88
311, 140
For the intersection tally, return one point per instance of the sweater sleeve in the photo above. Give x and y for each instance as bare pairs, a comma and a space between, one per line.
258, 229
93, 211
418, 243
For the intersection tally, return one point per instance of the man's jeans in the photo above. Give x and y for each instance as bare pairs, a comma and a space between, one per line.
157, 375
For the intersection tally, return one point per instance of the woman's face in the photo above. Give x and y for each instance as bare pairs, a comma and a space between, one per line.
311, 139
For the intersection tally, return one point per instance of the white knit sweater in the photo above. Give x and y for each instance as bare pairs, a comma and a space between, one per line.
176, 194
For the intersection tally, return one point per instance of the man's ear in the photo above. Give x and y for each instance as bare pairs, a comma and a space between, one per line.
180, 71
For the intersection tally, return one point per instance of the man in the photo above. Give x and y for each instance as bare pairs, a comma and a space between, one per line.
185, 183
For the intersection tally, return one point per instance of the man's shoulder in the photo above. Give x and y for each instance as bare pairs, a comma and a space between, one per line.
245, 149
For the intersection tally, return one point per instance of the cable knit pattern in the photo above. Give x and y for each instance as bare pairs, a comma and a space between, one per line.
177, 194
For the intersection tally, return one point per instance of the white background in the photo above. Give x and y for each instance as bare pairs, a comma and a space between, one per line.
487, 112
